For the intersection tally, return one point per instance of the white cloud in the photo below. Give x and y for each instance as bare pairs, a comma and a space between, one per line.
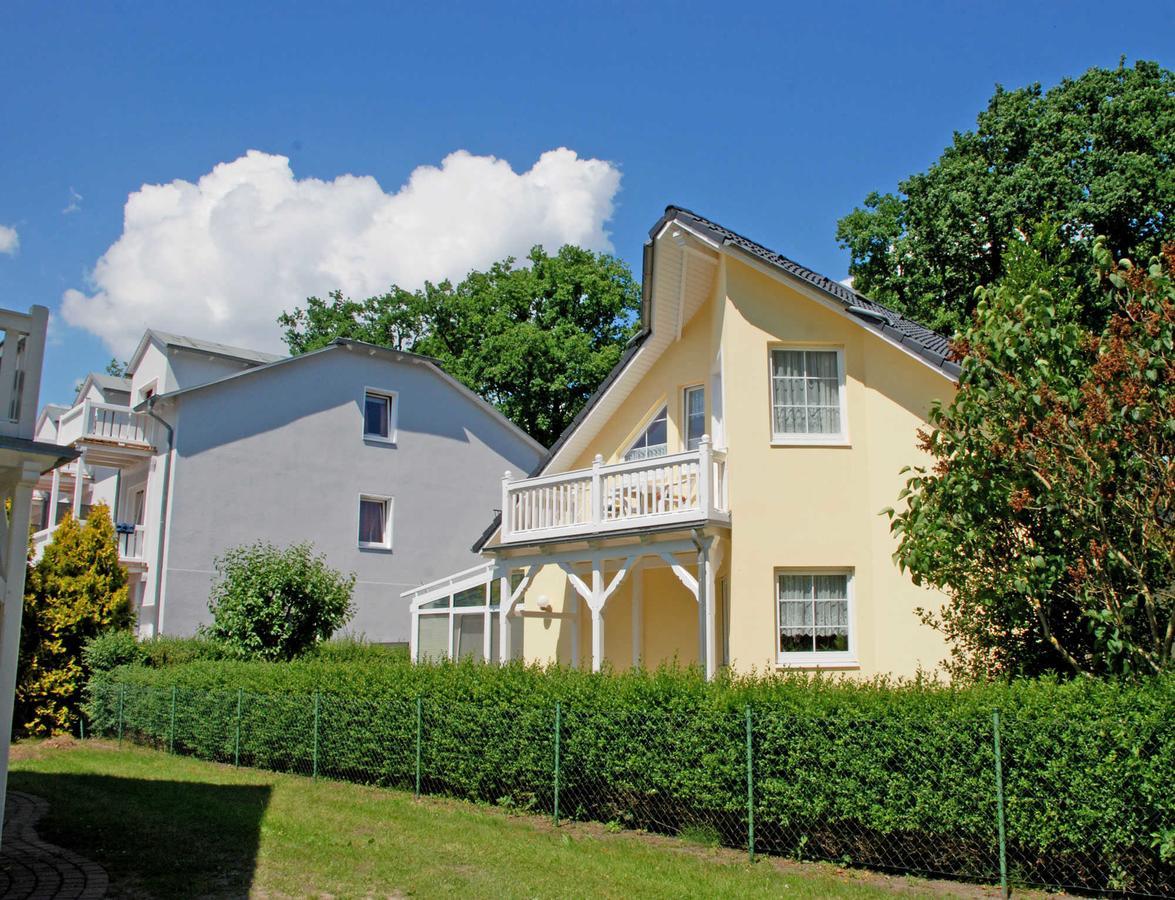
221, 258
9, 240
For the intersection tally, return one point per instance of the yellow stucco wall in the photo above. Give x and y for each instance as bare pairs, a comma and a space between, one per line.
804, 507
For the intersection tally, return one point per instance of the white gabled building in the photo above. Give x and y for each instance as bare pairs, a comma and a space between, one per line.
379, 458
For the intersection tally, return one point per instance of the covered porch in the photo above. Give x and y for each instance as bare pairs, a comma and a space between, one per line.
636, 599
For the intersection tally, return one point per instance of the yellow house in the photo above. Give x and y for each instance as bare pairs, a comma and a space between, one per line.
719, 499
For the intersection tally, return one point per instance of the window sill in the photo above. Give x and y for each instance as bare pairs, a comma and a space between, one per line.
828, 442
376, 439
818, 664
378, 548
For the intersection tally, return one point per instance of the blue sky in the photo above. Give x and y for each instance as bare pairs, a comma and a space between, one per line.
774, 120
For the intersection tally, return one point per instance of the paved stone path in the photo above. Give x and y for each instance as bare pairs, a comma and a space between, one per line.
31, 869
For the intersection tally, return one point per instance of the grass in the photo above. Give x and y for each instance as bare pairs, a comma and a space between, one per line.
167, 826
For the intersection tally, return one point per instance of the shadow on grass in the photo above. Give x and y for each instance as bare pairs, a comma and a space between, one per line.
158, 838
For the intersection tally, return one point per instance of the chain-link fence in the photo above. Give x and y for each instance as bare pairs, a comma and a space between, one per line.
802, 786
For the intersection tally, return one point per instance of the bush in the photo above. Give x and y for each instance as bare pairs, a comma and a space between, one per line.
110, 650
164, 650
892, 775
270, 603
74, 592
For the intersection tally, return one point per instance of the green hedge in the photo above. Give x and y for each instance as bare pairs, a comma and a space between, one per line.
890, 775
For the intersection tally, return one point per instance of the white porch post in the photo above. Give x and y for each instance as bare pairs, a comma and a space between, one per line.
597, 608
504, 649
702, 624
706, 630
12, 576
507, 519
54, 499
79, 483
638, 638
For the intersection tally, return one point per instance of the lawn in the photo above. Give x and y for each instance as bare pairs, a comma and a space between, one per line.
167, 826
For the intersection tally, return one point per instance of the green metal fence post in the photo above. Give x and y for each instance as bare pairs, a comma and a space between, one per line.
314, 773
121, 696
558, 728
750, 790
171, 734
81, 727
419, 731
999, 794
237, 739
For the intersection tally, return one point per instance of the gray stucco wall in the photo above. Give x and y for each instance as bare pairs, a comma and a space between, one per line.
279, 456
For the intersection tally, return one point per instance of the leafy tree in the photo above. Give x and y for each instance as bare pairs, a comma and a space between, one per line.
76, 591
116, 368
1048, 516
272, 603
1093, 154
534, 340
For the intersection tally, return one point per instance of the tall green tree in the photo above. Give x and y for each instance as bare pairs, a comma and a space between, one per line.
75, 591
1048, 516
1095, 154
535, 340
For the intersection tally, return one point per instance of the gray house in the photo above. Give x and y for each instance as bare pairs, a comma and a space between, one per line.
379, 458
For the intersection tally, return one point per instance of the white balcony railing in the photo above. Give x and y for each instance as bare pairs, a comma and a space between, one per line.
22, 348
665, 490
130, 545
104, 422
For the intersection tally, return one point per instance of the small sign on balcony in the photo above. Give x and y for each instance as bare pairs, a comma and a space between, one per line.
125, 527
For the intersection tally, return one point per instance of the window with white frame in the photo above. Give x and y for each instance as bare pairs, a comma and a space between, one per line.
375, 522
379, 415
465, 625
695, 416
807, 395
814, 617
654, 440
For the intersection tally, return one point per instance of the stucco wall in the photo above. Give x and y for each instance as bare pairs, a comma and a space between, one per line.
804, 507
279, 456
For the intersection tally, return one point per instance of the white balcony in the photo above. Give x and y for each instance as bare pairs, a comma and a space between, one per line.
107, 426
130, 546
22, 348
679, 489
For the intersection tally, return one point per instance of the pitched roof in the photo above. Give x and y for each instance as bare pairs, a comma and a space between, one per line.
281, 362
930, 345
202, 346
111, 382
105, 383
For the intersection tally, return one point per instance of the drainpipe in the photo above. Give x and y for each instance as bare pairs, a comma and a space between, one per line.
163, 508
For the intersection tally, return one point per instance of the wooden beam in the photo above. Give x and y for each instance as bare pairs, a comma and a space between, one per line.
682, 574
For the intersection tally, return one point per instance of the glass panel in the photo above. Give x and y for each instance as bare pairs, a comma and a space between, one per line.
695, 417
442, 603
813, 613
653, 441
821, 364
372, 521
495, 641
375, 415
788, 363
805, 388
432, 639
474, 596
469, 635
515, 625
